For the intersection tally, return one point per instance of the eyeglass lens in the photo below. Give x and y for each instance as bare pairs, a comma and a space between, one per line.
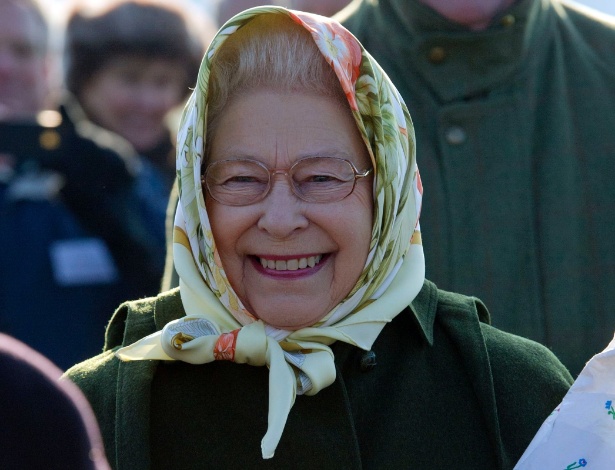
313, 179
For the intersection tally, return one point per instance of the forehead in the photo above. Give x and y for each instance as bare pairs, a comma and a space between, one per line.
279, 128
20, 24
143, 65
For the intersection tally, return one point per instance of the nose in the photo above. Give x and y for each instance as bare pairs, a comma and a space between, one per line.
282, 213
149, 100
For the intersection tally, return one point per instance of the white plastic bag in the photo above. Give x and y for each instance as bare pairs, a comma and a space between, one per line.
580, 433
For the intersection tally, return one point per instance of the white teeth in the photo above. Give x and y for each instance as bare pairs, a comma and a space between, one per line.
291, 264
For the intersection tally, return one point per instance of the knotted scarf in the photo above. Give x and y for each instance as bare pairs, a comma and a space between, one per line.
216, 325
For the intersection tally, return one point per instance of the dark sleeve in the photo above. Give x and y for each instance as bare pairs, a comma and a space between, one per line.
99, 189
101, 192
529, 382
97, 379
119, 391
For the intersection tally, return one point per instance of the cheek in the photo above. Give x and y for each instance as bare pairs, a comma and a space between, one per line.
224, 240
358, 226
119, 96
31, 75
171, 95
363, 209
228, 224
113, 88
215, 213
350, 224
104, 100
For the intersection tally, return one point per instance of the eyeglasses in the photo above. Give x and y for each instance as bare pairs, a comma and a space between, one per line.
313, 179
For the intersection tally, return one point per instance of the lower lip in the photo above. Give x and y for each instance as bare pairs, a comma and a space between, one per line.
297, 274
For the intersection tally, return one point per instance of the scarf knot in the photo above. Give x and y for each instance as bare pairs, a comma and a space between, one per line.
224, 349
197, 340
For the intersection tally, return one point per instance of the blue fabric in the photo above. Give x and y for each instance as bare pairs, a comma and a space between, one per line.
65, 323
77, 236
153, 190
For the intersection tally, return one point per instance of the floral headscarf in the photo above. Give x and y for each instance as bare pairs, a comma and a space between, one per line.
217, 326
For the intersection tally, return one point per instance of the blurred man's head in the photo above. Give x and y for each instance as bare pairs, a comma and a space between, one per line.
474, 14
24, 59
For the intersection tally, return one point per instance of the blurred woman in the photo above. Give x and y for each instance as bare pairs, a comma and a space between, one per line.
129, 65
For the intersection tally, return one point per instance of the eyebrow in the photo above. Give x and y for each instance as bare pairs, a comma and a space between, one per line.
331, 153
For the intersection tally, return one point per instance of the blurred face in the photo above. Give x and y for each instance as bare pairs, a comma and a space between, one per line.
475, 14
282, 231
320, 7
23, 64
131, 96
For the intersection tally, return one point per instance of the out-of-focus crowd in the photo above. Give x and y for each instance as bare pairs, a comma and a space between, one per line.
86, 166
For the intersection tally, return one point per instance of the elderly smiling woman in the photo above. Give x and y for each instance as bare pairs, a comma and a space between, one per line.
298, 249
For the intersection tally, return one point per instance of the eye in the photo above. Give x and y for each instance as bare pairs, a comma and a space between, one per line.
320, 171
243, 179
321, 179
130, 77
23, 50
237, 174
237, 182
313, 174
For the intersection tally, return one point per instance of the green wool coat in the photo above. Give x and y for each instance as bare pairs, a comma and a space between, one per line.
441, 389
515, 131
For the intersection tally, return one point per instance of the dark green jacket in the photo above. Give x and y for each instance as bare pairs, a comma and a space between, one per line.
442, 390
515, 130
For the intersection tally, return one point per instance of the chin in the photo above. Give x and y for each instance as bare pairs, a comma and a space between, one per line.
295, 320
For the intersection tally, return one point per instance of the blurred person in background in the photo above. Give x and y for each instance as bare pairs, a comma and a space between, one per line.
228, 8
72, 225
47, 423
513, 101
320, 7
129, 65
24, 61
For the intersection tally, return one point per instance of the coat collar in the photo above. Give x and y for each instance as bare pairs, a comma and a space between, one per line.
454, 62
423, 309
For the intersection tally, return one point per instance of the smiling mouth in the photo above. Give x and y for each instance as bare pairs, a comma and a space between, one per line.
290, 264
